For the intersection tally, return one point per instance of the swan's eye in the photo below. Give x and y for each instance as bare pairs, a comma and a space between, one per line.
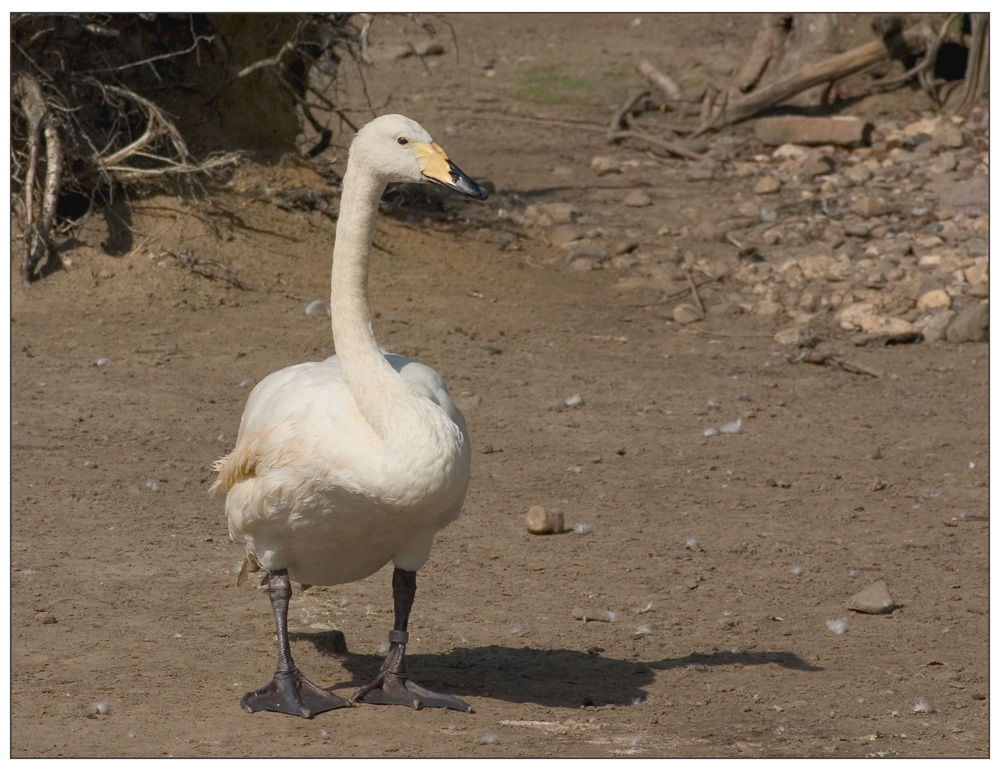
403, 141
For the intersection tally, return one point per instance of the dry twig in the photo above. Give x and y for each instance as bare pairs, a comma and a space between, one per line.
831, 360
661, 80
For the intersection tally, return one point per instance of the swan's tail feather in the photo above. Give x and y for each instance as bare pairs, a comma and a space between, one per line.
240, 464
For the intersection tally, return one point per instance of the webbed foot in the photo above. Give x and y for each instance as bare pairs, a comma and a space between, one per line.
292, 694
390, 688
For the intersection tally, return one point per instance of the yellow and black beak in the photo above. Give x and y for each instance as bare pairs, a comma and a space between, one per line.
436, 168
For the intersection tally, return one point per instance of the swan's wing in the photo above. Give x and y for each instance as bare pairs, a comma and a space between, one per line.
427, 383
290, 412
304, 416
284, 392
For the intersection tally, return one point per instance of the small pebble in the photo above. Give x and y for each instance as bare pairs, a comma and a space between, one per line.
874, 599
837, 625
767, 186
102, 362
637, 199
686, 314
541, 521
573, 401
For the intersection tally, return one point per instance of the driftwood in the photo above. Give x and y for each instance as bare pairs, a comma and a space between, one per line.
38, 231
829, 70
831, 360
623, 126
766, 46
977, 81
664, 82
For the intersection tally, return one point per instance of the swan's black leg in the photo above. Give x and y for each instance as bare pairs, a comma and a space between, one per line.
392, 686
289, 691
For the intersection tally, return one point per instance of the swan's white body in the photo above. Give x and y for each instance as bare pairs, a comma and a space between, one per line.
344, 465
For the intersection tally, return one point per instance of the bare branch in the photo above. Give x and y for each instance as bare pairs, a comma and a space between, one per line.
150, 60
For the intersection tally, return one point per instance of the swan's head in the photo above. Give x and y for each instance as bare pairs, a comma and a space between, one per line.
397, 149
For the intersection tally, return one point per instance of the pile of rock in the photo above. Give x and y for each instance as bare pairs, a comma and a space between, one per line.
887, 238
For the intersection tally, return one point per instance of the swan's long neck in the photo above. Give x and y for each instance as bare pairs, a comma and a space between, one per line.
375, 385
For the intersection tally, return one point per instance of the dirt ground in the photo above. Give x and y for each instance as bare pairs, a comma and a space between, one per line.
719, 567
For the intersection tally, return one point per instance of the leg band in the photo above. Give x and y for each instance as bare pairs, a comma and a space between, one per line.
395, 636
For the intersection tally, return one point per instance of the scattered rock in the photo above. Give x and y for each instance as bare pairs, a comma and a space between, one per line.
858, 174
790, 150
637, 199
789, 336
885, 238
559, 213
944, 163
723, 309
969, 197
541, 521
936, 299
868, 206
935, 326
971, 325
949, 136
767, 186
586, 249
626, 246
602, 164
874, 599
857, 228
686, 314
564, 234
859, 316
977, 274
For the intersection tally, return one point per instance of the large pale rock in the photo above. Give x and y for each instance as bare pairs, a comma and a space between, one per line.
969, 197
971, 325
686, 314
936, 299
935, 326
767, 186
637, 199
560, 213
542, 521
874, 599
824, 266
851, 315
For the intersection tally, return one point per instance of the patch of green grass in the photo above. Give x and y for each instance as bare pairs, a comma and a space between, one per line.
555, 85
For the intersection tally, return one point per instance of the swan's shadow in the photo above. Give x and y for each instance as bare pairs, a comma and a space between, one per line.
554, 678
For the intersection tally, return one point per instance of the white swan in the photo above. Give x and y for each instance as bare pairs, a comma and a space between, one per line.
344, 465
